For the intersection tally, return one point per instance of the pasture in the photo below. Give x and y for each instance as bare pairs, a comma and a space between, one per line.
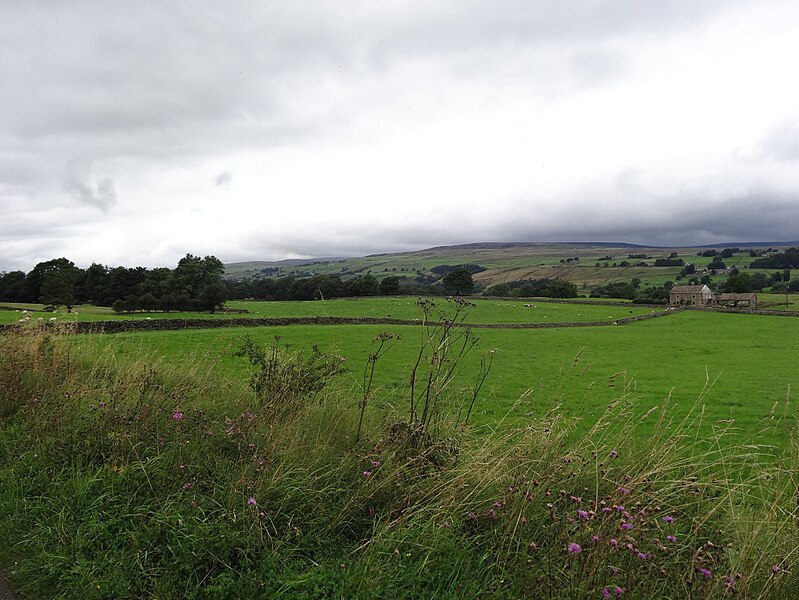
740, 369
144, 465
485, 311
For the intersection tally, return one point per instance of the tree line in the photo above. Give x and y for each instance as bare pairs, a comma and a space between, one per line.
194, 284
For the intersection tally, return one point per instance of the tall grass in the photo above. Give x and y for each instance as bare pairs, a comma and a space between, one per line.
136, 478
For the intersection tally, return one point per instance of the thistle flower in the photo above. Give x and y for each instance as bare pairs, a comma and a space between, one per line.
251, 501
177, 415
668, 519
574, 548
707, 573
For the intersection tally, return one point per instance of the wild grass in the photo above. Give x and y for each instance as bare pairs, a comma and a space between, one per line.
128, 476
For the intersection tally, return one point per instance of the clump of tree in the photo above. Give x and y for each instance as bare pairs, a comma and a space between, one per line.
446, 269
532, 288
782, 260
195, 284
669, 262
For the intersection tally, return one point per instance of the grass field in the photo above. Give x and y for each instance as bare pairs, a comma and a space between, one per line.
485, 311
740, 365
142, 465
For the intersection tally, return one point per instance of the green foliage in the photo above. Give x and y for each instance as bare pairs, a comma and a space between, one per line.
283, 379
389, 286
125, 477
458, 282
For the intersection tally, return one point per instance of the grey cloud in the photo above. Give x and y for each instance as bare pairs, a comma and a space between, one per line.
223, 180
77, 182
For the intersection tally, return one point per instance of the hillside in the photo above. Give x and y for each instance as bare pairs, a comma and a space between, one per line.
587, 264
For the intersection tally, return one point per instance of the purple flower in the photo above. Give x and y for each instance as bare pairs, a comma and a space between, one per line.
375, 463
642, 555
618, 591
595, 539
705, 572
445, 524
776, 569
188, 485
668, 519
583, 515
626, 526
177, 415
493, 514
613, 454
251, 446
619, 508
624, 491
671, 538
605, 593
614, 542
251, 501
367, 473
574, 548
614, 570
607, 509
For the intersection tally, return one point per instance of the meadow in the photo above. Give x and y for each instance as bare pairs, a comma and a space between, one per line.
655, 459
739, 365
484, 311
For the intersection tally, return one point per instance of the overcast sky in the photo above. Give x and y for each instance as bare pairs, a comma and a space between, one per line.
134, 132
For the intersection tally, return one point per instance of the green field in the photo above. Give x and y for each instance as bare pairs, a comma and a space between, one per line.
143, 465
485, 311
741, 366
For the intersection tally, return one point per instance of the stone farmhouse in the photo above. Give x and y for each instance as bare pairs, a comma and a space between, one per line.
701, 295
691, 295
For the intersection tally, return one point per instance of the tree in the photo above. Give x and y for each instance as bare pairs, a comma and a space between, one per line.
214, 296
739, 283
58, 289
194, 273
459, 282
61, 287
12, 286
390, 286
365, 285
500, 289
560, 289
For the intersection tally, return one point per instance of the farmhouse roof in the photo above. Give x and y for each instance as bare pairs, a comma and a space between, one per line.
687, 289
749, 297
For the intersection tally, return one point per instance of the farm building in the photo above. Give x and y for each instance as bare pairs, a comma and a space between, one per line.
738, 300
691, 295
